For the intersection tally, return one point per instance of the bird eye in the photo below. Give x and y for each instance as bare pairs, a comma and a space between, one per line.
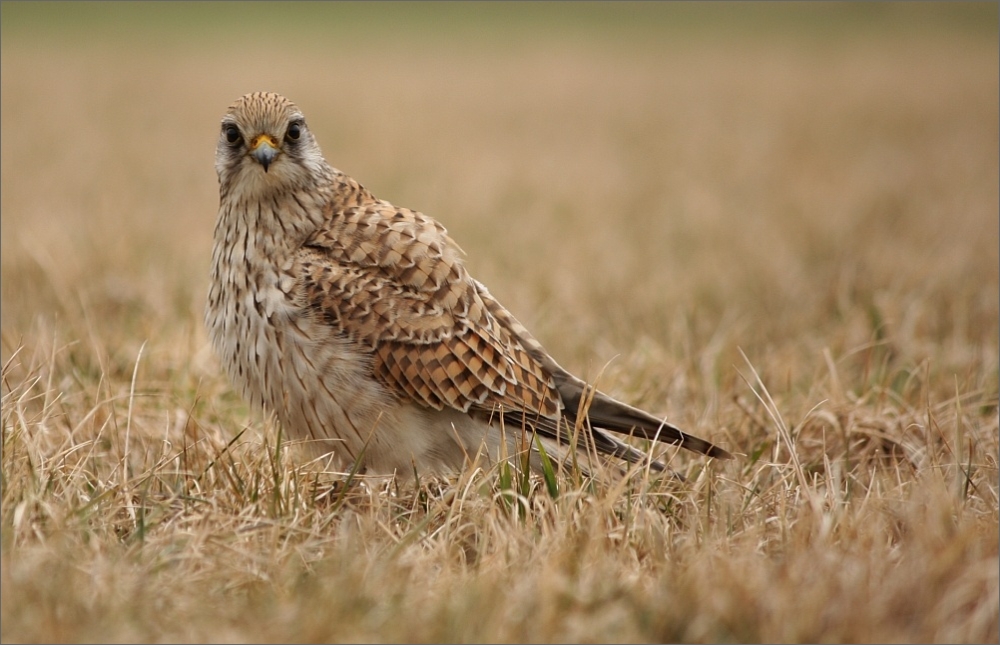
294, 131
232, 134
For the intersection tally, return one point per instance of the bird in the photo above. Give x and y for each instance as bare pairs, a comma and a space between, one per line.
357, 324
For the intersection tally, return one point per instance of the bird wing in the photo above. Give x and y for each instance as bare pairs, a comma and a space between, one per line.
391, 279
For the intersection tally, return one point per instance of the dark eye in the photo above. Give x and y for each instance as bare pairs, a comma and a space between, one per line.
232, 133
294, 131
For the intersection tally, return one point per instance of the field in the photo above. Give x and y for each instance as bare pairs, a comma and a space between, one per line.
777, 225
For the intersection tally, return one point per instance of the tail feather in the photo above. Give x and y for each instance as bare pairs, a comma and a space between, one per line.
610, 414
602, 442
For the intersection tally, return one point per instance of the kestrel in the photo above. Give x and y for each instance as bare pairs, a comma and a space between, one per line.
357, 324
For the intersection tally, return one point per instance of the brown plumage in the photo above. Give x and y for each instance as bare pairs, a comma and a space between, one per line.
357, 324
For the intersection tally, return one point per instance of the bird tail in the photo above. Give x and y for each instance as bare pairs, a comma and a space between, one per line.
610, 414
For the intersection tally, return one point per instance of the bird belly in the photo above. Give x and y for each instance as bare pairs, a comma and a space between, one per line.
320, 386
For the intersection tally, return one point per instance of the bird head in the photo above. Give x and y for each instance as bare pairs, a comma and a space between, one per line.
264, 144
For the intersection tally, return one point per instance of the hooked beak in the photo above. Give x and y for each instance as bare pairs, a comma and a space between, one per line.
264, 149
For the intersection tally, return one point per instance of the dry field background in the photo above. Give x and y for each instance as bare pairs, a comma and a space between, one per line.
655, 190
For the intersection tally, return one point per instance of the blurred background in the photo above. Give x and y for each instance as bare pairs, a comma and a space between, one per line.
662, 178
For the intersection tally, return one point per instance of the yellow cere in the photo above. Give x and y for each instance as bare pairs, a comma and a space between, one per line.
263, 138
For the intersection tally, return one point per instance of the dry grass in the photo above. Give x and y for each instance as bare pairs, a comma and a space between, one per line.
651, 200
